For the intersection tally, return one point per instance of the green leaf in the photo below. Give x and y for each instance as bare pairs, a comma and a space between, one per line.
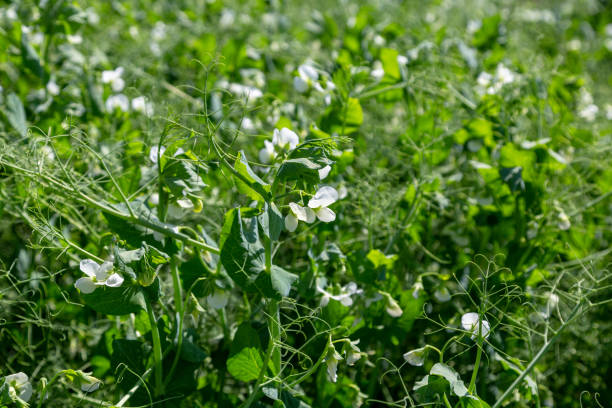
246, 336
271, 221
16, 114
249, 183
242, 254
388, 57
246, 365
450, 375
473, 402
123, 300
282, 280
182, 177
301, 168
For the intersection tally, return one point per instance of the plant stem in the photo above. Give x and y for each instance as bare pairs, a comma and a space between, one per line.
472, 385
157, 351
178, 304
537, 357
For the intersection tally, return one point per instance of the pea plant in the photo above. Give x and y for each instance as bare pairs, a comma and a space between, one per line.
282, 204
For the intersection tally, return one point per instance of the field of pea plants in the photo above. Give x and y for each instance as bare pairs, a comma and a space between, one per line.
326, 204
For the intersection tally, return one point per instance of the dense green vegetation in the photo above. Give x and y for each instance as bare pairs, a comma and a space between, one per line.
305, 204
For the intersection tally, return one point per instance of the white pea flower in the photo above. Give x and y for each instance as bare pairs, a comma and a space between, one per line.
332, 359
416, 357
218, 299
344, 297
267, 154
97, 275
324, 172
88, 382
307, 77
377, 70
563, 222
285, 138
19, 386
442, 295
504, 75
114, 78
53, 88
393, 308
298, 213
352, 352
140, 104
323, 198
589, 112
472, 323
117, 101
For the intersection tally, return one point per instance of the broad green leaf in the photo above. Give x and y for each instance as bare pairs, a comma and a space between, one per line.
246, 336
246, 365
123, 300
282, 280
249, 183
16, 114
300, 168
182, 177
242, 254
450, 375
271, 221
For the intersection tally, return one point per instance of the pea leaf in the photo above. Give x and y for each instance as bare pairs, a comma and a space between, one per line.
282, 280
249, 183
16, 114
271, 221
245, 365
242, 254
119, 301
450, 375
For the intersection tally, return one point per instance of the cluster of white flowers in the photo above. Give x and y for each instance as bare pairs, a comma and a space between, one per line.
317, 208
283, 139
97, 275
308, 77
345, 296
492, 84
118, 100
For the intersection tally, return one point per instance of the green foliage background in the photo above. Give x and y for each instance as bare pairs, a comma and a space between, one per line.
453, 188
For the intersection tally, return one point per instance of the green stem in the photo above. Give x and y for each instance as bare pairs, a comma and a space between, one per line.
537, 357
178, 304
44, 390
472, 385
157, 351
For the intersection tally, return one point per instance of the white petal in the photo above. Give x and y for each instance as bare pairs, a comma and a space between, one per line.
291, 223
89, 267
218, 300
103, 270
393, 308
324, 172
153, 153
185, 203
298, 211
324, 197
25, 393
85, 285
325, 214
310, 215
415, 357
299, 84
18, 379
469, 320
346, 300
118, 85
114, 281
289, 137
308, 72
